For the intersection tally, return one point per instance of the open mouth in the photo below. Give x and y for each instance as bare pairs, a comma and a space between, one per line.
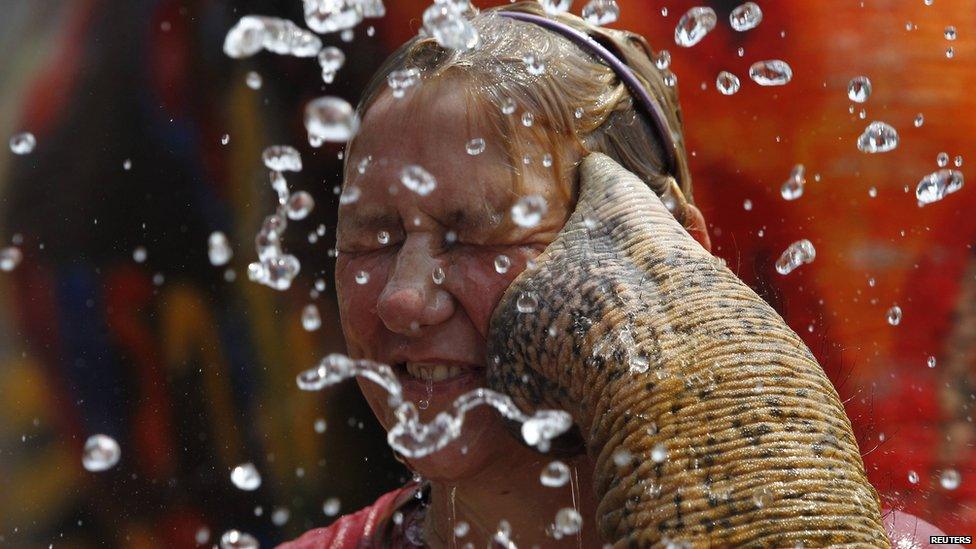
434, 372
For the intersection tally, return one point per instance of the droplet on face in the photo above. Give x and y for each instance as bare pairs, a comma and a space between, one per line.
331, 507
254, 80
893, 315
950, 479
554, 475
10, 257
727, 83
568, 522
246, 477
311, 320
450, 28
330, 119
235, 539
601, 12
527, 302
762, 497
418, 180
745, 17
878, 137
556, 6
218, 249
792, 188
475, 147
22, 143
299, 205
502, 264
694, 25
659, 452
529, 210
402, 80
936, 185
349, 195
362, 277
798, 253
913, 477
383, 237
859, 89
534, 64
101, 453
772, 72
437, 276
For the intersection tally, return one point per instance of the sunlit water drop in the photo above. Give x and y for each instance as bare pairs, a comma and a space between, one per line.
859, 89
202, 536
792, 188
253, 33
772, 72
502, 264
401, 80
330, 119
246, 477
942, 159
10, 257
878, 137
601, 12
311, 320
762, 497
225, 139
745, 17
22, 143
893, 315
950, 479
936, 185
727, 83
320, 425
529, 210
475, 147
527, 302
662, 60
280, 516
621, 457
331, 60
659, 452
218, 249
300, 204
796, 254
554, 475
100, 453
461, 529
327, 16
913, 477
450, 28
418, 180
235, 539
534, 64
694, 25
568, 522
331, 507
556, 6
282, 158
362, 277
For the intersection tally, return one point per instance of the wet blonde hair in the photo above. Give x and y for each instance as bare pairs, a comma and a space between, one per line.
576, 97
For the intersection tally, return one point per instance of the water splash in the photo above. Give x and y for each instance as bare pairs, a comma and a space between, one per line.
746, 17
254, 32
694, 25
415, 439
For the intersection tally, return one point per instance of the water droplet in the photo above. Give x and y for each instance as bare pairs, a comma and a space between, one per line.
745, 17
859, 89
957, 161
437, 276
224, 139
299, 205
913, 477
281, 36
383, 237
235, 539
10, 257
950, 479
402, 80
253, 80
919, 120
320, 425
578, 113
527, 302
461, 529
280, 516
639, 364
449, 28
547, 160
930, 362
502, 264
138, 254
762, 497
101, 453
601, 12
663, 59
22, 143
554, 475
331, 507
418, 180
936, 185
670, 79
327, 16
942, 159
694, 25
772, 72
659, 452
950, 52
792, 188
621, 457
893, 315
475, 147
246, 477
568, 522
534, 64
796, 254
362, 277
202, 536
528, 119
508, 105
878, 137
218, 249
349, 195
311, 320
727, 83
556, 6
529, 210
330, 119
950, 33
331, 60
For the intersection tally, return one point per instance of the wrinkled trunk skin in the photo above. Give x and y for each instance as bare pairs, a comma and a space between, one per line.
647, 339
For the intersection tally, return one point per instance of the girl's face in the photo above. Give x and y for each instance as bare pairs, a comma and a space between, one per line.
434, 334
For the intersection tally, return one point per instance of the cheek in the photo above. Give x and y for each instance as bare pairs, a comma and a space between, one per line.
357, 302
478, 286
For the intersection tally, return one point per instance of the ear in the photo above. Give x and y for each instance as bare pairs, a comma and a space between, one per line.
695, 225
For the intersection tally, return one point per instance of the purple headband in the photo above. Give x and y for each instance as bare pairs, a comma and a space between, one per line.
625, 73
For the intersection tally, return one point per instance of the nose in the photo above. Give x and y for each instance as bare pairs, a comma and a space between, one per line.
410, 300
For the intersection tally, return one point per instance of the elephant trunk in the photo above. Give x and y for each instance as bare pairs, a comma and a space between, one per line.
710, 421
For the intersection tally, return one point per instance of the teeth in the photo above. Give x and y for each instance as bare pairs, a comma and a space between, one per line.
433, 372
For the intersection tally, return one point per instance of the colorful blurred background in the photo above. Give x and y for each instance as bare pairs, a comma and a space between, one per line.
191, 367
